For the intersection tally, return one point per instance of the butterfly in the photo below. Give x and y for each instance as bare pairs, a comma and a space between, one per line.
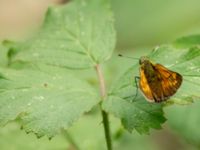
156, 82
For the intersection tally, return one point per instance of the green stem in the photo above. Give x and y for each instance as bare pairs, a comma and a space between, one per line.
107, 129
104, 114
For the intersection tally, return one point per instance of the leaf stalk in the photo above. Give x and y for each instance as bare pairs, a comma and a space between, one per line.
103, 113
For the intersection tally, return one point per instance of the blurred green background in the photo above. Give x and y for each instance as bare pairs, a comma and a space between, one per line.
141, 25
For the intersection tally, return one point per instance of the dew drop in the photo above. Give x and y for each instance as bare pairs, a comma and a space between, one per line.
39, 97
166, 56
81, 18
61, 88
57, 32
54, 78
82, 33
141, 112
83, 3
35, 54
24, 90
192, 67
77, 42
42, 44
12, 97
62, 46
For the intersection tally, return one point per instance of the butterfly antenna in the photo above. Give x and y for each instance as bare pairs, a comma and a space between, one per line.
120, 55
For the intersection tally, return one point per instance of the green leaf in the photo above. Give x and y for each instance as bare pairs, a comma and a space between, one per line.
184, 61
187, 41
185, 120
46, 101
79, 34
139, 115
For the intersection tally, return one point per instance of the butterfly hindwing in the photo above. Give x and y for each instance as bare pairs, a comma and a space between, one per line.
144, 86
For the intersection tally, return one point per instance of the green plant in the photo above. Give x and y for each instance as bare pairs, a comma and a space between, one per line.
40, 87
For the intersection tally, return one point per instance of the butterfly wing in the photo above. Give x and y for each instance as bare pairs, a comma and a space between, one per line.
170, 80
144, 86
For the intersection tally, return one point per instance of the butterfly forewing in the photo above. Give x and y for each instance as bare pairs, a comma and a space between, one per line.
170, 80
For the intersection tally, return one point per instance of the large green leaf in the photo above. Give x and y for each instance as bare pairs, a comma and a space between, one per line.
79, 34
187, 41
139, 115
184, 61
44, 100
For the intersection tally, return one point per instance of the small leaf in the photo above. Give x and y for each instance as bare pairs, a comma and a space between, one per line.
79, 34
46, 101
188, 41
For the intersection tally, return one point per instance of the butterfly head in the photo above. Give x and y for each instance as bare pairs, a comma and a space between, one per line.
143, 60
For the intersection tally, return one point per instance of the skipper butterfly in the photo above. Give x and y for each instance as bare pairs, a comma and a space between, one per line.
156, 82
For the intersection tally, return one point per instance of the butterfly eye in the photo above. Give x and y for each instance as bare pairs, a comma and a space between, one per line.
141, 60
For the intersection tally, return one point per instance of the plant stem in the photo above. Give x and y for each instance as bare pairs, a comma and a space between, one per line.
106, 129
104, 114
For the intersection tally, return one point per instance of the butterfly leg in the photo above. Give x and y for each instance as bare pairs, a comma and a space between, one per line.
136, 85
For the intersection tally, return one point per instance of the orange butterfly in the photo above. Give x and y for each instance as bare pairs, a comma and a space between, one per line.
156, 82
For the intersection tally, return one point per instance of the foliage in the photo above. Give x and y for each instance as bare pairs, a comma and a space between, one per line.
77, 35
140, 111
45, 101
43, 84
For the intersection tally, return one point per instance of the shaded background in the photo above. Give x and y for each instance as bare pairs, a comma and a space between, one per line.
140, 25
